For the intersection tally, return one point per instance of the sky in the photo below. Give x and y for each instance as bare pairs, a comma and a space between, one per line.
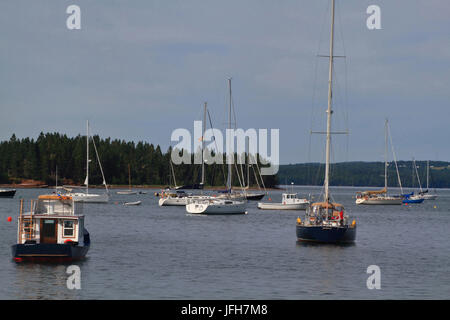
137, 70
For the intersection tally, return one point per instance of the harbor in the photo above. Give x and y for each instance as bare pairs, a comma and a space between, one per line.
155, 252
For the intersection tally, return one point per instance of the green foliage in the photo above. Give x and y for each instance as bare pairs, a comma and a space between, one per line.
37, 160
367, 174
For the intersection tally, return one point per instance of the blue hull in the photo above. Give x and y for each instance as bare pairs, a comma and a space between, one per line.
412, 201
323, 234
48, 252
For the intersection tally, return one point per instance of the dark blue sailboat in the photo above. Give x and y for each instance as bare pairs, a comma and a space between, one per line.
326, 222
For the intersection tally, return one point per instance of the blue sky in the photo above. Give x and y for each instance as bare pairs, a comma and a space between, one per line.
140, 69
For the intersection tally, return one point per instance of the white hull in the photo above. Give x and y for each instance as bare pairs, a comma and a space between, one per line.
379, 201
136, 203
281, 206
172, 201
217, 207
126, 192
89, 198
428, 196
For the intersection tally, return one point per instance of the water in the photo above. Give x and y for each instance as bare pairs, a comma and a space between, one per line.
152, 252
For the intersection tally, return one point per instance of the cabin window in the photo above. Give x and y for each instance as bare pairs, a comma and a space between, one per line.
68, 228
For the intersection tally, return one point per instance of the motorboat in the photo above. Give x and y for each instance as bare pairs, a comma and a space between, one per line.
53, 230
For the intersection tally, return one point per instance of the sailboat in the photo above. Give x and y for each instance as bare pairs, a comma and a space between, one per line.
380, 197
253, 195
424, 194
129, 191
199, 186
414, 198
225, 204
326, 221
86, 196
171, 198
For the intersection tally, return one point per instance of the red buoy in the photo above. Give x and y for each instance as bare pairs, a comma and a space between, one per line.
9, 219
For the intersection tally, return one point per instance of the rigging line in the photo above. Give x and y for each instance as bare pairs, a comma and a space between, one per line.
100, 165
215, 142
395, 159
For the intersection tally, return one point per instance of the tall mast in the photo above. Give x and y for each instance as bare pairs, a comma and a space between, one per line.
230, 154
329, 111
87, 157
203, 144
428, 171
129, 177
385, 153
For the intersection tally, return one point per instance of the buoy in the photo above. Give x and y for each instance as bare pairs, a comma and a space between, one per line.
434, 207
353, 222
299, 220
9, 219
270, 199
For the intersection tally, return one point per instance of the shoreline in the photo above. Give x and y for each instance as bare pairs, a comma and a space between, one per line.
152, 187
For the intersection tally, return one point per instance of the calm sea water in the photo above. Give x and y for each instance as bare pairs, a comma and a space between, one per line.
152, 252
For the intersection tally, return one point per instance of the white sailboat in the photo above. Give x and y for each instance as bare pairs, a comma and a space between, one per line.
86, 196
169, 197
226, 205
380, 197
424, 194
129, 191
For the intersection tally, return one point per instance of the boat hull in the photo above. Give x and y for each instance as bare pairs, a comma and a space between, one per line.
48, 252
413, 200
380, 201
7, 193
255, 196
326, 234
172, 202
127, 192
89, 198
281, 206
216, 208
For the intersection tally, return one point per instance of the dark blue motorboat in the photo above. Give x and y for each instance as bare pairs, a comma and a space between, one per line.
53, 231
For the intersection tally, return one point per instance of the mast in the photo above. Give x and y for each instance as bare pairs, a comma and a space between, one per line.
428, 171
230, 154
385, 153
329, 111
203, 145
129, 178
87, 157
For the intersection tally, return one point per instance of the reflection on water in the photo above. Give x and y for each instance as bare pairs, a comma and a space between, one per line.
43, 281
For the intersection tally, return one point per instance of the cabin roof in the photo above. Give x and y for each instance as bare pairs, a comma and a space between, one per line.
53, 197
326, 205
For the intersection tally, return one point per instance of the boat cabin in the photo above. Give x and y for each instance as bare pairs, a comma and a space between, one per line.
326, 213
52, 219
290, 198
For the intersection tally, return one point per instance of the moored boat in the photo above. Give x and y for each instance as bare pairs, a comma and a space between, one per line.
326, 222
7, 193
289, 201
169, 198
53, 230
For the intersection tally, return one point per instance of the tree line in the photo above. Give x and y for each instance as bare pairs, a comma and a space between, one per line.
53, 153
360, 173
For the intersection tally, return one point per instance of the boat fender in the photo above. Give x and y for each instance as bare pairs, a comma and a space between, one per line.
299, 220
353, 223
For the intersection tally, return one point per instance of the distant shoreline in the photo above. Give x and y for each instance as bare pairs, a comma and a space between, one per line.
158, 187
